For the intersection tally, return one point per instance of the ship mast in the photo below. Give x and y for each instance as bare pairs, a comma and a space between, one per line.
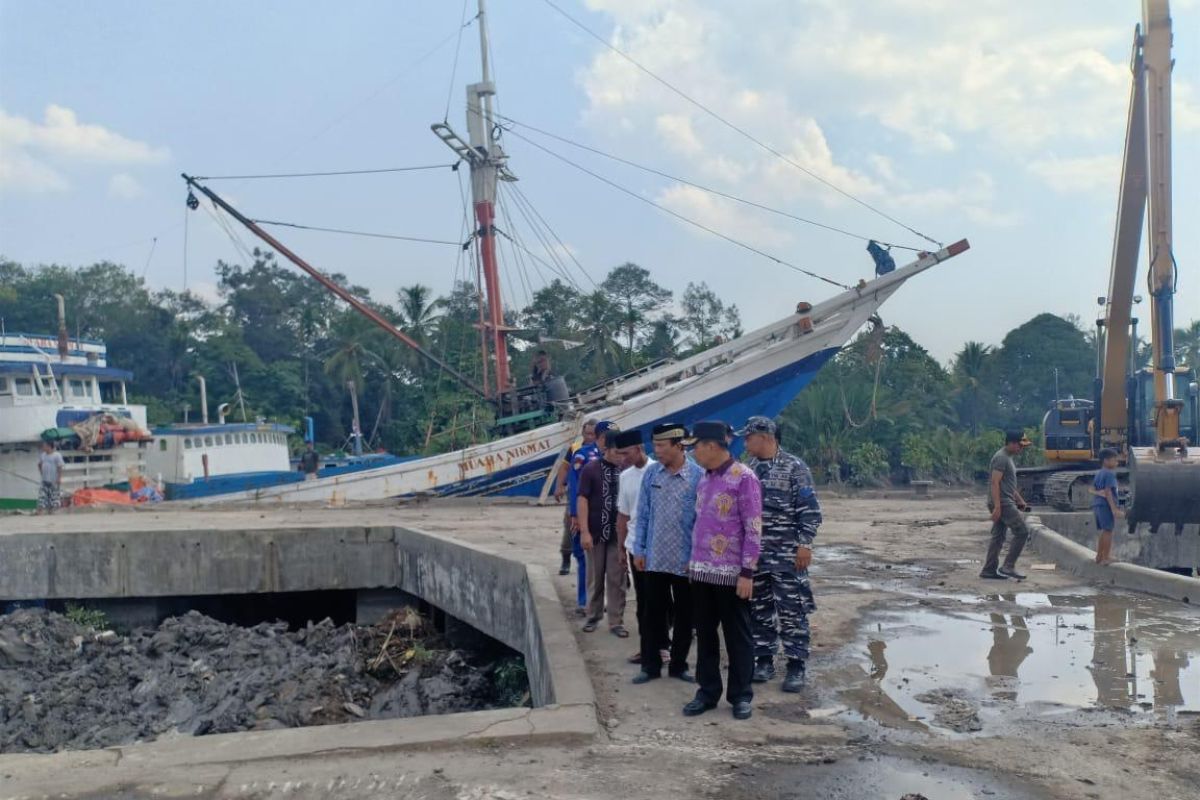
488, 164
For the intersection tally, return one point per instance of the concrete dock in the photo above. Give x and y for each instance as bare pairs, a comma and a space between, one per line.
887, 568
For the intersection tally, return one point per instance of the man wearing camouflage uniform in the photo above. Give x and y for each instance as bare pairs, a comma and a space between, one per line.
783, 596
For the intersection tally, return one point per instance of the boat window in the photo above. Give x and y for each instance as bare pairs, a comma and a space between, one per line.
228, 439
187, 444
3, 385
23, 387
254, 438
162, 445
110, 392
79, 388
208, 442
244, 438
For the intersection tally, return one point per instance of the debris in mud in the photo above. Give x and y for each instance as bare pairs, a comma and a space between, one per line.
63, 686
954, 711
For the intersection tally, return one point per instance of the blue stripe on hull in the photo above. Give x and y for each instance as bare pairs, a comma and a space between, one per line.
767, 396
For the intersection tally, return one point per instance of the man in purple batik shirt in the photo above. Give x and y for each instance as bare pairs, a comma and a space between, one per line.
725, 545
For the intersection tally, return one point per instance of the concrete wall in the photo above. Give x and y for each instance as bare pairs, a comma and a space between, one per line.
162, 563
1144, 547
510, 601
1073, 557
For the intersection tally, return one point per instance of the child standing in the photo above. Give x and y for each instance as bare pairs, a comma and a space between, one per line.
1104, 504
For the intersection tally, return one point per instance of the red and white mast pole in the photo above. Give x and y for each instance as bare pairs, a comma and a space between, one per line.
488, 164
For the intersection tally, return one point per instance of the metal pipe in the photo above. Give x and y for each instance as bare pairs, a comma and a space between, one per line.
316, 274
63, 343
203, 399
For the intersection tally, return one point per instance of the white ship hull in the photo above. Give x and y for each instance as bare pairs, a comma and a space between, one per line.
758, 373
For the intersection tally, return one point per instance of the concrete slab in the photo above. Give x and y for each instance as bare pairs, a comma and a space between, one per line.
1079, 560
1165, 546
509, 600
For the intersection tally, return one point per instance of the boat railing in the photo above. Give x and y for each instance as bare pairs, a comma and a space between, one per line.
827, 315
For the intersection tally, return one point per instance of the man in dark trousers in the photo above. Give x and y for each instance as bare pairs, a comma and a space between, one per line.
310, 462
1006, 504
726, 541
782, 592
662, 547
599, 490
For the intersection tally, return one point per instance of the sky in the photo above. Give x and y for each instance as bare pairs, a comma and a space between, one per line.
1001, 121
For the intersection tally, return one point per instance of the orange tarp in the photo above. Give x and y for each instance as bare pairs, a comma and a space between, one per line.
96, 497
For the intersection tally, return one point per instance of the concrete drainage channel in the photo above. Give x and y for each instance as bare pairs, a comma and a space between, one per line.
511, 602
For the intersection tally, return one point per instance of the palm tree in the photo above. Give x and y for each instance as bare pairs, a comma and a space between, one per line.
1187, 345
418, 313
969, 372
601, 322
346, 361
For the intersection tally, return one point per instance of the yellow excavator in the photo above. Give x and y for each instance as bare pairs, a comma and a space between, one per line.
1149, 416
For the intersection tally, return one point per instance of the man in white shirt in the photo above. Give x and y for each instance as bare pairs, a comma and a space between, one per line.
634, 452
50, 469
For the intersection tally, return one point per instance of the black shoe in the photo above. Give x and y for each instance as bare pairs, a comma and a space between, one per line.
794, 680
993, 576
644, 677
565, 569
698, 707
741, 710
1011, 572
685, 676
764, 670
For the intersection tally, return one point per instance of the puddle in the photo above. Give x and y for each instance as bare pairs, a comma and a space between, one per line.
884, 777
1056, 652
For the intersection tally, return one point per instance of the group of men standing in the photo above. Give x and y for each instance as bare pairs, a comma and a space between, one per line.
716, 547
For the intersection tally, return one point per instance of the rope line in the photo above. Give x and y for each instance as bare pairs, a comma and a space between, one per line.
346, 232
702, 187
325, 174
682, 218
736, 128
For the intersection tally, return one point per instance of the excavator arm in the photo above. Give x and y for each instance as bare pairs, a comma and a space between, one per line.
1165, 478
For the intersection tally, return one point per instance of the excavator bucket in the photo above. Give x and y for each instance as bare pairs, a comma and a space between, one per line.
1164, 486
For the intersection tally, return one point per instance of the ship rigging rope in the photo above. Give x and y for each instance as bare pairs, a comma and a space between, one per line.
531, 217
379, 171
520, 196
737, 129
703, 188
346, 232
681, 217
457, 49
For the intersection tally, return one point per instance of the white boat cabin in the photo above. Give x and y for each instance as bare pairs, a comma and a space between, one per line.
185, 453
40, 389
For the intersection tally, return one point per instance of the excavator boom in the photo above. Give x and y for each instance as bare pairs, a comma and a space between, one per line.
1164, 477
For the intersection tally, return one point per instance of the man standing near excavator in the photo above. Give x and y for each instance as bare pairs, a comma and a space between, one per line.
1006, 504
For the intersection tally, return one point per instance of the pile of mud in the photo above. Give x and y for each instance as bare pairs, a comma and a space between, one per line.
63, 686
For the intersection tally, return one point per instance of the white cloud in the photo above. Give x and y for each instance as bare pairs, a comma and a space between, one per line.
124, 187
723, 216
34, 156
61, 134
676, 131
990, 82
1082, 174
20, 172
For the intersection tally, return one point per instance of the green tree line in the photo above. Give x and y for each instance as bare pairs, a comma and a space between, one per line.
884, 408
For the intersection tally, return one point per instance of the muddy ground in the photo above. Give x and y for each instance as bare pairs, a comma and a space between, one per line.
925, 680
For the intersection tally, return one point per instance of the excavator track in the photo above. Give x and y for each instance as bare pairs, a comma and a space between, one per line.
1071, 491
